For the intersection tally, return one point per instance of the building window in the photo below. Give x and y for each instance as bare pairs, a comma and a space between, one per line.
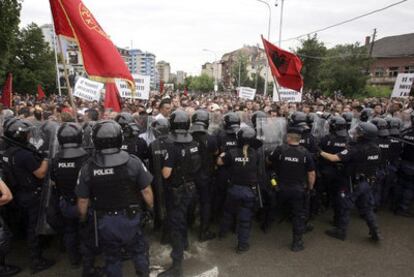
393, 71
409, 69
379, 72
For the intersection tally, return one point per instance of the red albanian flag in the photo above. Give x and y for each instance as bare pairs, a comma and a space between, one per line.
40, 93
285, 66
6, 92
112, 98
101, 58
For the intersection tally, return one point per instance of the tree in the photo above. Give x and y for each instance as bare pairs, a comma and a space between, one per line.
311, 52
9, 29
345, 69
202, 83
239, 71
34, 62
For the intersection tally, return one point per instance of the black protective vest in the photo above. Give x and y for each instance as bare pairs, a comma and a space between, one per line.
18, 178
227, 141
130, 145
66, 173
396, 148
112, 188
243, 171
333, 144
291, 170
370, 160
207, 157
188, 164
384, 144
408, 150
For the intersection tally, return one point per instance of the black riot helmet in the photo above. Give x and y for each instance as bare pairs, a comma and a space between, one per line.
200, 121
394, 125
298, 119
179, 125
70, 135
107, 134
18, 130
257, 116
412, 119
247, 136
160, 127
366, 114
338, 126
348, 116
231, 122
124, 119
382, 126
366, 130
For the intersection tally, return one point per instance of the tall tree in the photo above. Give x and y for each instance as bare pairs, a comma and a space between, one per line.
345, 69
9, 29
311, 52
239, 71
34, 62
202, 83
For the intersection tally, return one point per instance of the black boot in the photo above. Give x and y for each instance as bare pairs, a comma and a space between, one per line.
297, 244
206, 235
404, 213
174, 271
336, 233
40, 264
9, 270
92, 272
240, 249
375, 235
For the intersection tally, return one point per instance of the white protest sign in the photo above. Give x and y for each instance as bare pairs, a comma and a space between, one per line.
142, 87
403, 85
247, 93
87, 89
286, 95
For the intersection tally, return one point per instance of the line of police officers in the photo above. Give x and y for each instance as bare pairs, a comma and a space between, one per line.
106, 193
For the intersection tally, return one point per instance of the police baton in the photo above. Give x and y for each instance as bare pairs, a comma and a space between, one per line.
403, 140
95, 228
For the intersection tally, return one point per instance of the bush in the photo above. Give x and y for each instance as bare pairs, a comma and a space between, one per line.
377, 91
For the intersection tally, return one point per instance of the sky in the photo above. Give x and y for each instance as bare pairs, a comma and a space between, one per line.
178, 31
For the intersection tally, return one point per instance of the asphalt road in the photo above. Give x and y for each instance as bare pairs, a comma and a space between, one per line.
269, 254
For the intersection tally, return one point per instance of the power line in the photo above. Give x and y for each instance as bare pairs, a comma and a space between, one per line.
347, 21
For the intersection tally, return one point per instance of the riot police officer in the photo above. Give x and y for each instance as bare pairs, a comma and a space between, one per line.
64, 172
226, 140
362, 160
348, 116
295, 171
242, 163
366, 114
25, 169
181, 163
384, 144
132, 143
406, 172
208, 151
333, 175
117, 184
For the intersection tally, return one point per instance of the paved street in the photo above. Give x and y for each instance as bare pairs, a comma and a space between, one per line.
270, 256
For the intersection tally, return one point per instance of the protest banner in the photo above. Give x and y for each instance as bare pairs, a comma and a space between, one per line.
286, 95
142, 86
403, 85
246, 93
87, 89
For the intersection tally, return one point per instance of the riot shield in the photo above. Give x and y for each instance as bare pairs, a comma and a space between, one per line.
320, 127
216, 119
271, 131
157, 156
49, 209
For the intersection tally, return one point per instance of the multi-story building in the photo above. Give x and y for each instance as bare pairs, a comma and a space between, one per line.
143, 63
213, 70
181, 75
124, 54
392, 55
164, 70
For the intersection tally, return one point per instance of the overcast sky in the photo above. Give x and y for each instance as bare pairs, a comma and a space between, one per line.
178, 31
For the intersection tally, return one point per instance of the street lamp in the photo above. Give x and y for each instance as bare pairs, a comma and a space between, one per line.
215, 73
268, 38
281, 20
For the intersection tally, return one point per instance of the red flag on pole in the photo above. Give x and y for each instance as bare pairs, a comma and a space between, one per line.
112, 97
6, 92
40, 93
285, 66
101, 58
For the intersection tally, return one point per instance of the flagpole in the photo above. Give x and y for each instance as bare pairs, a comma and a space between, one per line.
65, 72
56, 61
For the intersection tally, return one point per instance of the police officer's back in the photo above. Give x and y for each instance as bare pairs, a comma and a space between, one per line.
117, 184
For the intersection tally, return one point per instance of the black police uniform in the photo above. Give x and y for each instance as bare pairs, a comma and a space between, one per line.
113, 180
292, 164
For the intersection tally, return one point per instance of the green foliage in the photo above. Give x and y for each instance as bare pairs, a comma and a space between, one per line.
201, 83
9, 29
377, 91
34, 62
345, 69
311, 70
239, 71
